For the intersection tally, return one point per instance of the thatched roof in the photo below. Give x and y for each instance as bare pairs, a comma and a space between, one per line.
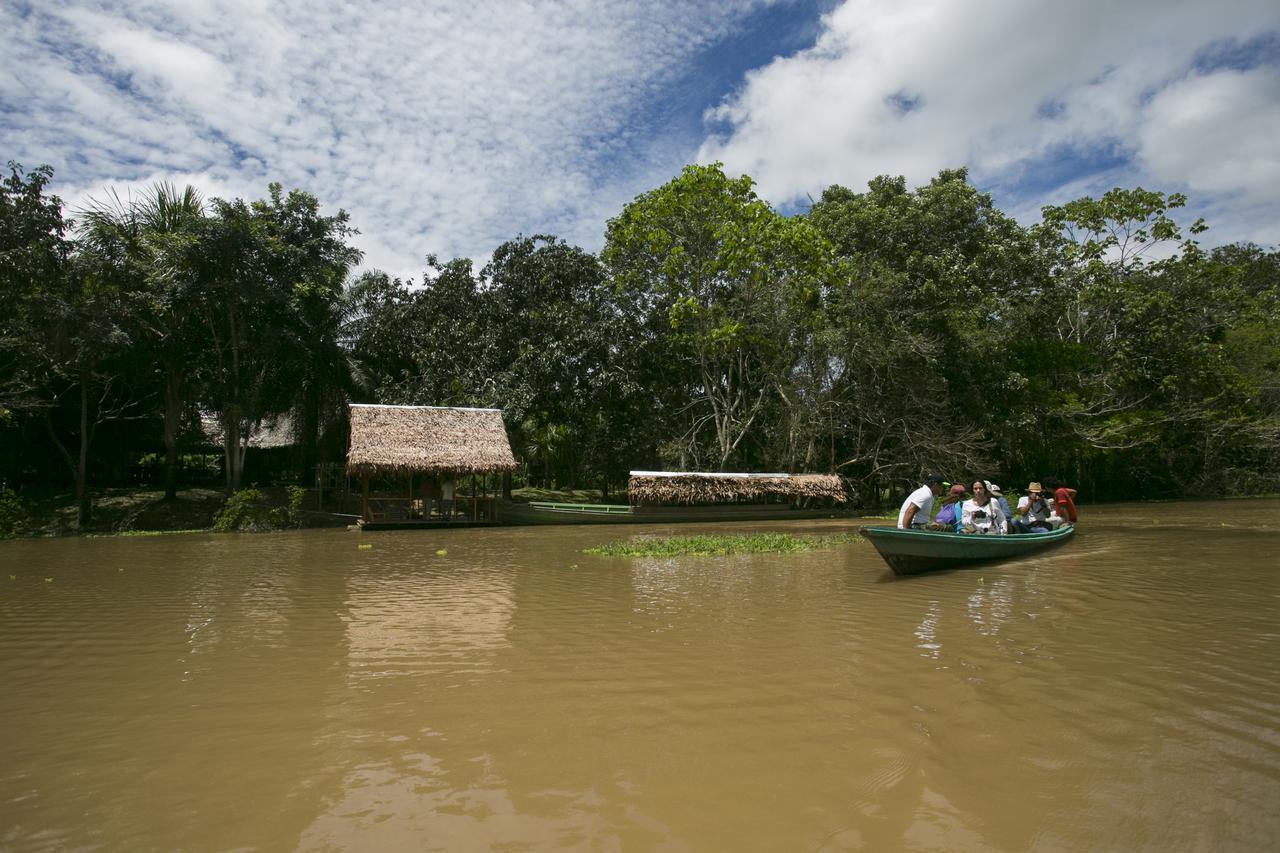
427, 440
669, 487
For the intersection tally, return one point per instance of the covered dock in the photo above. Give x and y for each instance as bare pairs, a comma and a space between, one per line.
654, 489
427, 466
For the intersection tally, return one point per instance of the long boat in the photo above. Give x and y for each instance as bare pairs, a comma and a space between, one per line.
547, 512
914, 552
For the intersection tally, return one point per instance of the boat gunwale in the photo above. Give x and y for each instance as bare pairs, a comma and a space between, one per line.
886, 533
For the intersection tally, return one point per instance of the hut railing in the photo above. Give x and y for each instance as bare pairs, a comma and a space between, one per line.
403, 508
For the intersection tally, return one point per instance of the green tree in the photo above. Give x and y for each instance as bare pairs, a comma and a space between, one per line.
34, 257
1129, 333
918, 372
720, 267
140, 238
309, 259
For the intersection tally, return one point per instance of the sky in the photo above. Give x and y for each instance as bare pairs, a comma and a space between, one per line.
448, 127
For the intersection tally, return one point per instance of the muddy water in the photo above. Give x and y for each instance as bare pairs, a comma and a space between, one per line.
294, 691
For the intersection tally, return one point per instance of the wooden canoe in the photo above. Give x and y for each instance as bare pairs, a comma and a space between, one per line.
914, 552
546, 512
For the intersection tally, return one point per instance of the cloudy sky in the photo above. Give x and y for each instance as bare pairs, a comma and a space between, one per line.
448, 127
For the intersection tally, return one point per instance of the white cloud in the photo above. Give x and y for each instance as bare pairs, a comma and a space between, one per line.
1217, 133
443, 128
1004, 87
451, 127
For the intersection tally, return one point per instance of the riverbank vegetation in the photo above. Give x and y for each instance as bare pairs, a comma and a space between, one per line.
719, 546
169, 341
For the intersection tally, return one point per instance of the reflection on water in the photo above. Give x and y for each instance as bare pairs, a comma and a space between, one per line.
295, 692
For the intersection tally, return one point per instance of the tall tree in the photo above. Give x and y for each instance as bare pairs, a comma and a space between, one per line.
308, 257
144, 239
720, 266
919, 372
34, 257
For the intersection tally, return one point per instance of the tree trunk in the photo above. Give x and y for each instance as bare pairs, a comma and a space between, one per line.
310, 432
231, 453
172, 417
82, 470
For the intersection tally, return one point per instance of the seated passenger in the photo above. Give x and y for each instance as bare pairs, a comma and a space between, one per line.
1064, 504
981, 514
1004, 505
1033, 511
917, 509
948, 518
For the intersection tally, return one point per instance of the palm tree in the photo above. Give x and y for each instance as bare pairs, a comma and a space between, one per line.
140, 237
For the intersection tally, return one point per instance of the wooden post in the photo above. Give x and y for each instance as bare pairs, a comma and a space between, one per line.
408, 508
475, 509
364, 489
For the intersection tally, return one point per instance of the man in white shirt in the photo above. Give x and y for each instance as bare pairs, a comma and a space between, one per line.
917, 509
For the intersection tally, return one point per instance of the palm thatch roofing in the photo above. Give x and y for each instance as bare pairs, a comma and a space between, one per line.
398, 440
672, 487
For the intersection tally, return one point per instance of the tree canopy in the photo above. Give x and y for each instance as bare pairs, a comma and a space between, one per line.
878, 334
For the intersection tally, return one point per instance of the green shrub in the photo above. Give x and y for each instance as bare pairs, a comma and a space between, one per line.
12, 513
248, 510
296, 495
244, 510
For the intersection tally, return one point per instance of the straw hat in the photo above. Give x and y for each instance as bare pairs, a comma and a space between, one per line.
1034, 486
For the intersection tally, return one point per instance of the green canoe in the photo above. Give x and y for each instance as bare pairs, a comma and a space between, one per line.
913, 552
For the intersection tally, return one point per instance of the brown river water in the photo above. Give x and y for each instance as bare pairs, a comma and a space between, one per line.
294, 691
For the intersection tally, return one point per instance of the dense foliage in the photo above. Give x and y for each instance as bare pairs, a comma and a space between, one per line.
880, 334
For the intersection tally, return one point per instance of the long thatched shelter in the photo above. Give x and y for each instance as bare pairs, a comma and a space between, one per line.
430, 447
678, 488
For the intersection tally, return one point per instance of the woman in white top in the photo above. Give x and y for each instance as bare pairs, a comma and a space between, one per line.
981, 514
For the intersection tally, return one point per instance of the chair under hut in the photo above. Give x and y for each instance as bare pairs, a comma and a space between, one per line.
408, 458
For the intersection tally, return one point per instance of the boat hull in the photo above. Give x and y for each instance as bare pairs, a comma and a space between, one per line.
914, 552
549, 513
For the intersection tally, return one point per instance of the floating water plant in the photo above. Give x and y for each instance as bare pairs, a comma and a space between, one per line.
715, 546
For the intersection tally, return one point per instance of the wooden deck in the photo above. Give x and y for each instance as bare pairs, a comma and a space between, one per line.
424, 523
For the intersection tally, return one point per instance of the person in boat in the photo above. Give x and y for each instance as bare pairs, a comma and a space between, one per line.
917, 509
1033, 511
948, 518
1064, 504
998, 497
981, 514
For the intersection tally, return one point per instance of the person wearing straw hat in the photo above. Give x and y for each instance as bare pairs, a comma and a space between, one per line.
1033, 511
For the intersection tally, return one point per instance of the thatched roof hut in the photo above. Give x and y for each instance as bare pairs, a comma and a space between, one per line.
399, 440
679, 488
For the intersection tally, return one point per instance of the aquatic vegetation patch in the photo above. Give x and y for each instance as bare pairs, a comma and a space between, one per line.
718, 546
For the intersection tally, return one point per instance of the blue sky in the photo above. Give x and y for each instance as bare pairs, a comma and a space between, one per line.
448, 128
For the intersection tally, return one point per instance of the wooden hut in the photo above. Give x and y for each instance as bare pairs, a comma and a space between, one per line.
413, 462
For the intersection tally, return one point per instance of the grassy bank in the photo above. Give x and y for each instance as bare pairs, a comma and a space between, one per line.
145, 512
717, 546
